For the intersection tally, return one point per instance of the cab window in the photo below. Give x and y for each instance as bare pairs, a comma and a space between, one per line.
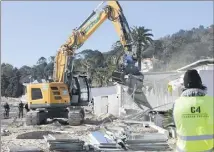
36, 93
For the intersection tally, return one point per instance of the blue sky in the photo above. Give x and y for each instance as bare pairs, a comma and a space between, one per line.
30, 30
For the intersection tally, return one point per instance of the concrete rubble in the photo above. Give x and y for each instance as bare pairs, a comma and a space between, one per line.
65, 142
5, 132
125, 138
24, 149
97, 133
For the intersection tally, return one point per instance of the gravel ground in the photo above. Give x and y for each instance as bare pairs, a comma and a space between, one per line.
79, 132
17, 127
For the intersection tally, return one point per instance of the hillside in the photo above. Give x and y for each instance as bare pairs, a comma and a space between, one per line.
170, 52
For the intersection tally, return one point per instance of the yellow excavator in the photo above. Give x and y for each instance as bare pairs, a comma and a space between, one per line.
69, 92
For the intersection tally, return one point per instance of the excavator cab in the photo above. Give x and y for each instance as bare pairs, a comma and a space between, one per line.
80, 91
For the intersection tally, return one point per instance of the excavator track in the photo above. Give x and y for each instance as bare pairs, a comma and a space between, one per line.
35, 117
75, 116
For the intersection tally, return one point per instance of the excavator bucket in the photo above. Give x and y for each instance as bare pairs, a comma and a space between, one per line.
135, 89
118, 77
134, 84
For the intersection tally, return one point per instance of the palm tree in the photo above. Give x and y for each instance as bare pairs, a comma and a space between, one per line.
142, 38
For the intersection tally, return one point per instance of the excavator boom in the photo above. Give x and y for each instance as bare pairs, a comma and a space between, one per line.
63, 66
64, 97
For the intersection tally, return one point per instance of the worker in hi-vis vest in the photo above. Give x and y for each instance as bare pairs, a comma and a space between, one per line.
169, 88
193, 115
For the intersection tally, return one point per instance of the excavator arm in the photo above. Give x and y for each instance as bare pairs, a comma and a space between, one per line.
63, 67
63, 61
63, 97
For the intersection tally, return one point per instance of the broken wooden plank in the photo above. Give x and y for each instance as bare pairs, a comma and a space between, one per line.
148, 136
65, 141
24, 149
148, 144
144, 141
148, 148
160, 130
108, 146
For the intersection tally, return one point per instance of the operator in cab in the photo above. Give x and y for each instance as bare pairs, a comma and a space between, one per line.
194, 116
128, 59
129, 65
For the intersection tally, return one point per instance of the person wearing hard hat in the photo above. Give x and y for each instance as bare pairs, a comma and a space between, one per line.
194, 116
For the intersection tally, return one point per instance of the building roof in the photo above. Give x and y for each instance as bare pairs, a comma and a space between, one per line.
206, 64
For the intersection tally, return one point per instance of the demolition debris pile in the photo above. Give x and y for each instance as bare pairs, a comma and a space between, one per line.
112, 135
64, 142
103, 133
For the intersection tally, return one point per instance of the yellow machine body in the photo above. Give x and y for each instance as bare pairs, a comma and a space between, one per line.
47, 95
69, 92
63, 67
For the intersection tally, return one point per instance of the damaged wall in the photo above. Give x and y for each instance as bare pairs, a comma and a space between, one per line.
106, 100
207, 79
156, 90
107, 104
156, 86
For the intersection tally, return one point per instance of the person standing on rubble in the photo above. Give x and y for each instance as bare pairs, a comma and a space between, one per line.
21, 107
7, 110
194, 116
27, 108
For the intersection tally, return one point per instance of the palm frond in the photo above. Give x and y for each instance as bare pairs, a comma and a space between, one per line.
148, 35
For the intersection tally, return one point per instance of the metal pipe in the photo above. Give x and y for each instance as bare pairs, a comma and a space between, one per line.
90, 16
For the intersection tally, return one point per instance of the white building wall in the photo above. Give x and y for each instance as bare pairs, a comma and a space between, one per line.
114, 105
111, 103
207, 77
157, 96
100, 107
107, 104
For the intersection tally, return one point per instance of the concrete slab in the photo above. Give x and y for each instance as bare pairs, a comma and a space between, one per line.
24, 149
